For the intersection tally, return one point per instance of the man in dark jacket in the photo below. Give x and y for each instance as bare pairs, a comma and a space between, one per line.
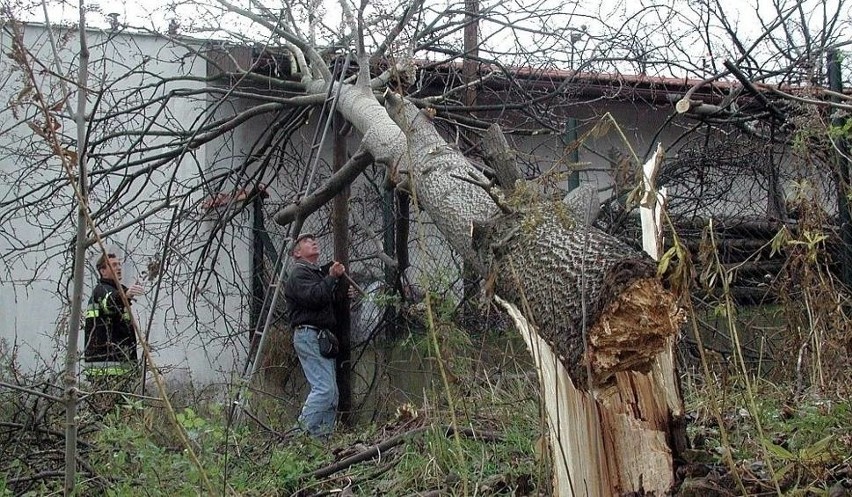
110, 351
309, 293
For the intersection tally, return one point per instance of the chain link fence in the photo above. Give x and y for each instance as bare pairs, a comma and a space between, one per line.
768, 277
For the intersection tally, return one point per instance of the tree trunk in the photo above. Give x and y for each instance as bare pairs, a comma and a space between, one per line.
615, 439
71, 353
606, 443
597, 313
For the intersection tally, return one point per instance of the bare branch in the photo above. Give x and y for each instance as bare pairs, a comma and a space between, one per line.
31, 391
309, 204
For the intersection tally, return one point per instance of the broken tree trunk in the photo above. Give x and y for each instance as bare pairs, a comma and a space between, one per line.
615, 435
596, 310
596, 315
604, 444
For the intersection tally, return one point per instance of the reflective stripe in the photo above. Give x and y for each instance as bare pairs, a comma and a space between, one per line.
104, 303
92, 313
99, 372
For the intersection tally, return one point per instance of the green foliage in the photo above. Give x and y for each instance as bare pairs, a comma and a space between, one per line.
200, 430
809, 458
803, 440
385, 299
439, 284
132, 460
843, 131
291, 463
813, 243
135, 450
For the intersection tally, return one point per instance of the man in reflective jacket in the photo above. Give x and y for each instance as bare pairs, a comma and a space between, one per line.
110, 351
309, 293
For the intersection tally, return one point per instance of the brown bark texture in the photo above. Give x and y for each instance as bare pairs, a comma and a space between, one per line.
594, 299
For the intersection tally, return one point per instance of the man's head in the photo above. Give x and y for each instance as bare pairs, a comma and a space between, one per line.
306, 248
109, 267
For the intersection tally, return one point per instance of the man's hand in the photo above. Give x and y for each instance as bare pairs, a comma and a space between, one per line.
135, 290
337, 269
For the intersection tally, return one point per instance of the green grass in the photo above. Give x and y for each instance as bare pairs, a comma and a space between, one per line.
806, 439
136, 450
132, 458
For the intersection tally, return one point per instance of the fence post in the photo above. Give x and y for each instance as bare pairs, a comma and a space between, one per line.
569, 137
836, 85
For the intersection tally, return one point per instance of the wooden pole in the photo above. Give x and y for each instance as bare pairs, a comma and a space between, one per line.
340, 232
835, 83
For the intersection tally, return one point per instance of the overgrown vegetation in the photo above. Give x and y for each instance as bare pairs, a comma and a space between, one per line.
804, 450
803, 445
495, 447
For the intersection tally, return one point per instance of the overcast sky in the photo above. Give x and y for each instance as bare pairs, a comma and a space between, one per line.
742, 15
139, 12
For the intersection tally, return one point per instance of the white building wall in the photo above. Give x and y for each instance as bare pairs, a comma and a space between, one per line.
196, 322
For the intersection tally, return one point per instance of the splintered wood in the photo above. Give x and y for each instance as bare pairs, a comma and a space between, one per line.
633, 328
605, 443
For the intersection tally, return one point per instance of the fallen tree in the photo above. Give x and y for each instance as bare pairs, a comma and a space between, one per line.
596, 315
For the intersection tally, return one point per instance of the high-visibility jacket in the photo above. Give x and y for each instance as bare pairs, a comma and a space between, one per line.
109, 332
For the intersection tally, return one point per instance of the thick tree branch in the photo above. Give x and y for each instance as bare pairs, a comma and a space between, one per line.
308, 205
501, 157
377, 449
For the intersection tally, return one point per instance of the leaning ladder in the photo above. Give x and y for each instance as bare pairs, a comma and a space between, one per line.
270, 299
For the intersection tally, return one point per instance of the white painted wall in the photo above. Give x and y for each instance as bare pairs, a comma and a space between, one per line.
195, 330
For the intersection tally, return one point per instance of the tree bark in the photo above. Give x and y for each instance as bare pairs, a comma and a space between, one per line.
500, 156
614, 440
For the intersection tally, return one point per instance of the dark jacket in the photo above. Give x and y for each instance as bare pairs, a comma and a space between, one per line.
108, 329
310, 292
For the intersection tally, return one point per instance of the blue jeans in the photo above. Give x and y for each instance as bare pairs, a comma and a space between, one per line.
320, 407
